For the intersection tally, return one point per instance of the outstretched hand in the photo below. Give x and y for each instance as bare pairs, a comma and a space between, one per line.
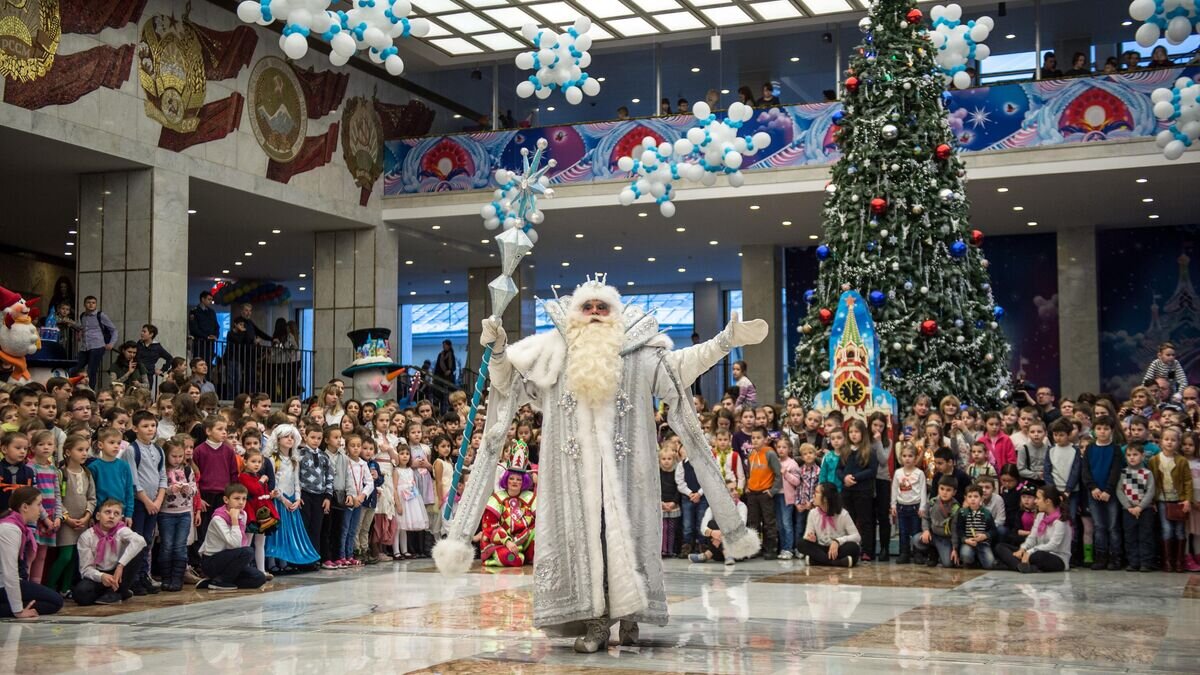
493, 334
742, 333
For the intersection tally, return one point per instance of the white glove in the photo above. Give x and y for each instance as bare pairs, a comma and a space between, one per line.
493, 334
742, 333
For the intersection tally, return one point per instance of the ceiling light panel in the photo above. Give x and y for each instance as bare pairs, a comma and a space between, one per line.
775, 10
499, 41
435, 6
605, 9
827, 6
632, 26
485, 3
727, 16
510, 17
657, 5
679, 21
468, 22
455, 46
555, 12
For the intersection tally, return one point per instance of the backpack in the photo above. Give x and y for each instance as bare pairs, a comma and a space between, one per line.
137, 456
105, 331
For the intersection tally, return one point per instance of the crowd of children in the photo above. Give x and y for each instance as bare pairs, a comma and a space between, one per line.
113, 494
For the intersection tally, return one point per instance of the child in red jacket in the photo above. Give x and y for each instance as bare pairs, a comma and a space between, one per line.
260, 505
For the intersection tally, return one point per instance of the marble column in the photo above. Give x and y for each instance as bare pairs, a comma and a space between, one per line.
762, 298
708, 312
519, 318
1078, 311
355, 285
133, 251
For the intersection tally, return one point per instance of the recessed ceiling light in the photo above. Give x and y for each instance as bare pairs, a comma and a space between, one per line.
262, 243
739, 254
303, 275
714, 242
635, 100
681, 269
303, 288
724, 91
681, 229
794, 59
70, 243
642, 214
72, 232
408, 262
628, 283
108, 192
237, 263
813, 236
601, 79
247, 254
1001, 189
1142, 180
276, 231
786, 223
566, 264
436, 227
412, 292
446, 281
1010, 36
66, 253
708, 278
1127, 23
191, 212
579, 235
754, 207
1154, 216
651, 259
618, 248
483, 241
458, 117
550, 108
695, 70
1018, 208
224, 271
1148, 200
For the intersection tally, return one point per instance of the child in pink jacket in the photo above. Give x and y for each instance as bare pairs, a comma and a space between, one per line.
785, 501
999, 446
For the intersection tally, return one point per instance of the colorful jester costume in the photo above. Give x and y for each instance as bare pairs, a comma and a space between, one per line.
509, 516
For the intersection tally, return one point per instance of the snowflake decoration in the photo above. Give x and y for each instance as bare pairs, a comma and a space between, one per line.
515, 201
1181, 107
558, 62
956, 43
1173, 19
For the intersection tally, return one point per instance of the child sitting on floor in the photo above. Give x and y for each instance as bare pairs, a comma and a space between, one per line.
110, 558
226, 556
712, 536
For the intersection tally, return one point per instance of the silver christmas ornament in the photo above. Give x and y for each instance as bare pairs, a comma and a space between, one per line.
865, 24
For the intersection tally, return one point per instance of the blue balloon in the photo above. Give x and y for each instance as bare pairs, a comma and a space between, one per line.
958, 249
809, 296
998, 311
838, 117
877, 298
822, 252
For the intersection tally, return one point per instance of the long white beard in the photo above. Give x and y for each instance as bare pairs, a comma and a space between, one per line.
594, 358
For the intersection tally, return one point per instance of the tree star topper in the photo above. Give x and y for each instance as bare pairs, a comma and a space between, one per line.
515, 202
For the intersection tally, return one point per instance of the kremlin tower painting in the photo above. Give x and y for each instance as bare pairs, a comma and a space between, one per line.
854, 365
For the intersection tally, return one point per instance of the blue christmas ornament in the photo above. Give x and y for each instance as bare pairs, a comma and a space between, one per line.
877, 298
822, 252
838, 117
809, 296
979, 325
998, 311
958, 249
896, 373
870, 246
908, 285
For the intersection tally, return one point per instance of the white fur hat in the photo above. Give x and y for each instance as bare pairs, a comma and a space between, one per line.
596, 289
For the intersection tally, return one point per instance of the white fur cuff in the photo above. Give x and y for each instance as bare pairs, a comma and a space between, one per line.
453, 556
743, 546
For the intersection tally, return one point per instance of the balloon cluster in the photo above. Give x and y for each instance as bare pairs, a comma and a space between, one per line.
255, 292
1173, 19
714, 147
1181, 107
558, 61
957, 42
514, 203
372, 25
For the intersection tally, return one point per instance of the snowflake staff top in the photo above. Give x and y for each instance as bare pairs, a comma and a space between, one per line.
897, 230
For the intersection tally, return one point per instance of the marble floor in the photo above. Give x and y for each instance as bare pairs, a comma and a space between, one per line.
757, 617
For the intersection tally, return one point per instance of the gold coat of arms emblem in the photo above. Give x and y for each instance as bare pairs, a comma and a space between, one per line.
29, 35
277, 109
171, 72
362, 141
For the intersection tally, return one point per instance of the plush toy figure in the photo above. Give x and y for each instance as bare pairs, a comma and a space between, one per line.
18, 336
373, 370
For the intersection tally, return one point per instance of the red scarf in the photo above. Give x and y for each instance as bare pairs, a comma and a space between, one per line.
28, 543
106, 539
1048, 520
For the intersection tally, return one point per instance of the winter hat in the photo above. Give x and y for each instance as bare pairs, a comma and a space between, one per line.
595, 289
8, 298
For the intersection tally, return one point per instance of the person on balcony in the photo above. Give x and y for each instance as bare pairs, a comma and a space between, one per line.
1160, 59
203, 327
1079, 65
1050, 66
768, 96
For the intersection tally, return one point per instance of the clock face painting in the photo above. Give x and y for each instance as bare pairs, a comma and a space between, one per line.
851, 393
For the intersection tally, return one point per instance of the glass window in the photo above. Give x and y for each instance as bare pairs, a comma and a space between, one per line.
434, 322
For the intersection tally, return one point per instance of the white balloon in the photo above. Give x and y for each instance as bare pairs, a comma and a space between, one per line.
1164, 110
524, 61
626, 197
735, 109
1174, 150
249, 11
419, 27
583, 24
684, 147
339, 60
733, 160
543, 93
585, 60
1139, 10
982, 52
695, 135
525, 89
979, 32
574, 95
667, 209
1147, 34
591, 86
962, 80
708, 179
394, 65
491, 223
737, 179
625, 163
530, 31
533, 236
488, 212
701, 110
953, 12
761, 140
295, 46
583, 42
1179, 29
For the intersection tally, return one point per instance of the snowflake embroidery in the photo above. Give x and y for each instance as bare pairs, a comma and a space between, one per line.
623, 404
571, 447
621, 447
568, 403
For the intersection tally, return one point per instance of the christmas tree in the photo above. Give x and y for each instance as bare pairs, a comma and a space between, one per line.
897, 230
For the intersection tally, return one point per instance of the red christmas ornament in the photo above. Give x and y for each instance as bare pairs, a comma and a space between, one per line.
914, 16
929, 328
944, 151
826, 315
852, 84
977, 237
879, 205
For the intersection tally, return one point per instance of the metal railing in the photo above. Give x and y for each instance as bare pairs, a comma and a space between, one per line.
247, 368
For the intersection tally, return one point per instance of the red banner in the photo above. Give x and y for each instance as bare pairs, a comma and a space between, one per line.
89, 17
316, 152
217, 120
225, 51
72, 77
409, 119
323, 91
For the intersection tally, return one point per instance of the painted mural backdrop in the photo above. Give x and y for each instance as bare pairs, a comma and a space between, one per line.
1025, 283
1032, 114
1146, 297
